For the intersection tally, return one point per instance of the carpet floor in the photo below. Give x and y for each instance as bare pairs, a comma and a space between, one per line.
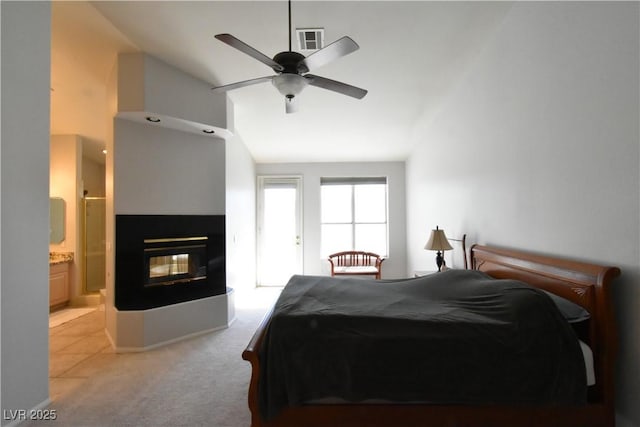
201, 381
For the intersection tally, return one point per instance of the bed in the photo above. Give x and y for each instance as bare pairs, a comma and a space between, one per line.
585, 285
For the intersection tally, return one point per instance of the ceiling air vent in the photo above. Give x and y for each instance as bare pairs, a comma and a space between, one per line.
310, 38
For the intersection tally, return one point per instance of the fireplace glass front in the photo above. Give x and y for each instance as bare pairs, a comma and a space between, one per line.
175, 261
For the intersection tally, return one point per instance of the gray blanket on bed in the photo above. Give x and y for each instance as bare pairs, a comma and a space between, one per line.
457, 337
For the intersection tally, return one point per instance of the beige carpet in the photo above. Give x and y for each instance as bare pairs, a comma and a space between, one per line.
197, 382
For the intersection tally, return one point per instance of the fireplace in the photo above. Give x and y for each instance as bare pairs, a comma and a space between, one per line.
175, 261
168, 259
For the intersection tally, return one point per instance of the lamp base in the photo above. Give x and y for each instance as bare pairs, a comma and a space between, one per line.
439, 260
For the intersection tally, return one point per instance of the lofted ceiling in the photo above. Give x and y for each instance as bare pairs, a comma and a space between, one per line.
411, 56
84, 49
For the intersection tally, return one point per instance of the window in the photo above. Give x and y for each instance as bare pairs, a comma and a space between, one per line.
354, 215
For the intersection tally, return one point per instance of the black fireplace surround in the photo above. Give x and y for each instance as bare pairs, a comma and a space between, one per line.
168, 259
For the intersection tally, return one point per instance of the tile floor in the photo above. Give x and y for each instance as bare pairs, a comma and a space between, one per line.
78, 349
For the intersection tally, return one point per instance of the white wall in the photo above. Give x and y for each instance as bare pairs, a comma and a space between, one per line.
163, 171
93, 177
241, 212
538, 149
24, 171
149, 84
65, 181
395, 265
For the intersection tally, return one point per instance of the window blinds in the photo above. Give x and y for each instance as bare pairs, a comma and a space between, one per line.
353, 180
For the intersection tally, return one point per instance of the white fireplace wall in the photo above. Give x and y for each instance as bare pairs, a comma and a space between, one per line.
150, 87
158, 170
161, 171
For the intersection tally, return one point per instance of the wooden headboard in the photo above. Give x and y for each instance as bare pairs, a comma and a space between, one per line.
585, 284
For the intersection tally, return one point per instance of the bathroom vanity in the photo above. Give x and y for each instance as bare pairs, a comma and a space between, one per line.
59, 279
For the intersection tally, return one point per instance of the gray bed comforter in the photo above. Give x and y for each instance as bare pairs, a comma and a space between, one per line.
457, 337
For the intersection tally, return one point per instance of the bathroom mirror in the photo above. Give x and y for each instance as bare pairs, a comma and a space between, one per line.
56, 219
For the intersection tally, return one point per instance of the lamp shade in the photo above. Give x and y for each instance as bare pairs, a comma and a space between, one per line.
437, 241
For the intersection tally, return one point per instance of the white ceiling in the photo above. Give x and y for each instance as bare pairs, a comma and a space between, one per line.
411, 56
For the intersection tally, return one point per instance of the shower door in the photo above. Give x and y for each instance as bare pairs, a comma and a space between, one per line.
94, 244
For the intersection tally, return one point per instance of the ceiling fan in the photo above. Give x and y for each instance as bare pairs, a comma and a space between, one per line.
291, 68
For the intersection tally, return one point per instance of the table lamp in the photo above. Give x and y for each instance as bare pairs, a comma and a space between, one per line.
438, 242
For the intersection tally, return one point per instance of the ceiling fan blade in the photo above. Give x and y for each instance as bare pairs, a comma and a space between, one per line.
291, 105
244, 83
335, 86
327, 54
245, 48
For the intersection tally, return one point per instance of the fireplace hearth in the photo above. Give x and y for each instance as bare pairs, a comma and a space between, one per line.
168, 259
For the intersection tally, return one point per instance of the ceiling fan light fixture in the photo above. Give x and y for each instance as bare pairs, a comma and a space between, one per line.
289, 85
291, 67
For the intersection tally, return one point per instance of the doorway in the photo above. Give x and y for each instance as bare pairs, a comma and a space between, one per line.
279, 231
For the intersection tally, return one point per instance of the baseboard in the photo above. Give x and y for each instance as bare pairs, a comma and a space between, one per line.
89, 300
163, 343
138, 349
233, 319
111, 341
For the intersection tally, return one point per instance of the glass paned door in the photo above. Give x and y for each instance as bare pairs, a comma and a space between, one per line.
279, 229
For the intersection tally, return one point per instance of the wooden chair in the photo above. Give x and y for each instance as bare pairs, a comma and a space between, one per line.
356, 263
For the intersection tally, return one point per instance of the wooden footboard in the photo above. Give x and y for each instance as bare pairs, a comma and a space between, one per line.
583, 283
251, 355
